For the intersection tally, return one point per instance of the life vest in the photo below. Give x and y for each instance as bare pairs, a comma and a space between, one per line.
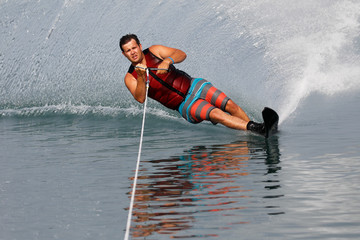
170, 88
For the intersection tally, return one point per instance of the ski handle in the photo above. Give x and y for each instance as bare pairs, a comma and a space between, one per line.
153, 69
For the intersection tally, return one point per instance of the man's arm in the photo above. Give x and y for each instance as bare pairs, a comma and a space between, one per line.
168, 55
137, 87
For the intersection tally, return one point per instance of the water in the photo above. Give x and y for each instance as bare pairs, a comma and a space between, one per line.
70, 130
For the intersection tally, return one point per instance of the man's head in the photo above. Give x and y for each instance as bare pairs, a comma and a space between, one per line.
127, 38
131, 48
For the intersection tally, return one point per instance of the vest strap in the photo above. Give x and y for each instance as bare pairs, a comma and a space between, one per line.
162, 82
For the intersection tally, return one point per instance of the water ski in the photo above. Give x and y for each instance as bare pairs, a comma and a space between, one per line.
271, 119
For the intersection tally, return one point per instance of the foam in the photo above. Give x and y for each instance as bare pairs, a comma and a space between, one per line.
310, 47
258, 52
85, 110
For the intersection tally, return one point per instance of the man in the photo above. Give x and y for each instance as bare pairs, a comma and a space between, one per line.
195, 99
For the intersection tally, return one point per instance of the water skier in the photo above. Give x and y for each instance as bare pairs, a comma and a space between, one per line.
195, 98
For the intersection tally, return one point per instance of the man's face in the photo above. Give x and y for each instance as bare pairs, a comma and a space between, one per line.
133, 51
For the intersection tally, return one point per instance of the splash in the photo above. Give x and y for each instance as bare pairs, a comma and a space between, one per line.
309, 46
67, 3
69, 109
258, 52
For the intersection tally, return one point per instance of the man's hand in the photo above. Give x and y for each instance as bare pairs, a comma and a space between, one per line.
141, 72
164, 65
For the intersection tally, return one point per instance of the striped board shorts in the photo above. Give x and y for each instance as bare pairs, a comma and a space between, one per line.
201, 99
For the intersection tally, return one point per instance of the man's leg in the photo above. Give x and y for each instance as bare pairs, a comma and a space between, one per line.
236, 111
214, 105
236, 120
219, 116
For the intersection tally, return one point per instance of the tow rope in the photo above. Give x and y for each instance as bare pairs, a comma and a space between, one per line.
128, 224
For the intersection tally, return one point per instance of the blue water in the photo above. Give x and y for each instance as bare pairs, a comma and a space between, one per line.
70, 130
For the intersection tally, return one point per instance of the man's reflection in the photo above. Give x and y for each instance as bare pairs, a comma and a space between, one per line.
204, 181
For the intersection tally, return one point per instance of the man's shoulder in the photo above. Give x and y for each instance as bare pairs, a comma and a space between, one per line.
157, 50
157, 47
128, 78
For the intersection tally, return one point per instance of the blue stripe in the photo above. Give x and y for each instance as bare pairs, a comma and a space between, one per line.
197, 95
196, 80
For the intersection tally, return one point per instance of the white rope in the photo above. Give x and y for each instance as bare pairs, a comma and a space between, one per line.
128, 224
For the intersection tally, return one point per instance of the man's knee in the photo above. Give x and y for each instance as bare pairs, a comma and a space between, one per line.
231, 106
217, 116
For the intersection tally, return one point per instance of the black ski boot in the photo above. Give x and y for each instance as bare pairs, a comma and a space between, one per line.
258, 128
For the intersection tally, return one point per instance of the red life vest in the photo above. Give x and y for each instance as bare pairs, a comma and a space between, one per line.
169, 89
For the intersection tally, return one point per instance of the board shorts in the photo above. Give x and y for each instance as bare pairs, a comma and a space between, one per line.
201, 99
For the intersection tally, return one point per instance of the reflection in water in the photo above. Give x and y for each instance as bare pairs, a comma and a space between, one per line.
207, 187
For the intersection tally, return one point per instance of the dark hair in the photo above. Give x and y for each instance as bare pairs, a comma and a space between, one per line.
127, 38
